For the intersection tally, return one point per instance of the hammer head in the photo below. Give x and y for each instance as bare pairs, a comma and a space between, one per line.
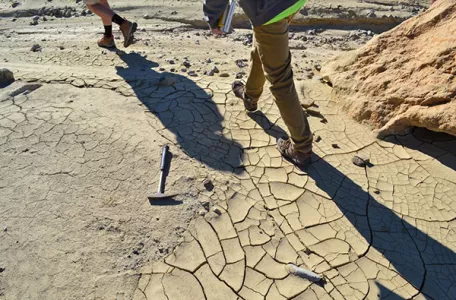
159, 196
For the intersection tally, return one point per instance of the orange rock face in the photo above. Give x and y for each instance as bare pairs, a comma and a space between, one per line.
404, 77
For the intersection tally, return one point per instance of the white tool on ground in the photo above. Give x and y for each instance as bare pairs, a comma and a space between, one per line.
304, 273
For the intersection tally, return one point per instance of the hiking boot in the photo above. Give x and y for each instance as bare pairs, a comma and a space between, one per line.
128, 28
286, 148
106, 42
239, 91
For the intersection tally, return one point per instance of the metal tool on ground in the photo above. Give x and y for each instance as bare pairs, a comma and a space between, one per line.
304, 273
161, 185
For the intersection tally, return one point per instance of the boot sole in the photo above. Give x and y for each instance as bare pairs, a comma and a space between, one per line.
133, 29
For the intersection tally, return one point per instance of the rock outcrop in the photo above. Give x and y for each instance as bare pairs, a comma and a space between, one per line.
402, 78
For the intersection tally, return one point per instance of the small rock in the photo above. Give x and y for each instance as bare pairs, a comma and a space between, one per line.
6, 77
187, 64
162, 69
208, 60
173, 13
377, 192
36, 48
335, 146
240, 63
192, 73
2, 269
183, 70
5, 229
216, 70
61, 48
224, 75
167, 81
208, 184
317, 67
360, 160
202, 212
317, 139
216, 210
239, 75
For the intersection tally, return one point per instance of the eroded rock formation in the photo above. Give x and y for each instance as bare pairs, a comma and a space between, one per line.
404, 77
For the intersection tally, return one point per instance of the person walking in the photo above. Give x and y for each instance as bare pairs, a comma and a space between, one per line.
271, 60
102, 9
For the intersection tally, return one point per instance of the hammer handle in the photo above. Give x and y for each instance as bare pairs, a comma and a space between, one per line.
163, 159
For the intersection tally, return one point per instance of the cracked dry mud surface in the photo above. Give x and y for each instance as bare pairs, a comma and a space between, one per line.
80, 153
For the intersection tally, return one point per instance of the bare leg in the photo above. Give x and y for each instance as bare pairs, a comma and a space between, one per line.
103, 10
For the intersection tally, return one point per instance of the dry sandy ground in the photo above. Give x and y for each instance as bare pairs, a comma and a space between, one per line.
80, 154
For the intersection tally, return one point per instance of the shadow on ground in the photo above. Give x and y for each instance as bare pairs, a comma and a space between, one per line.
184, 109
421, 260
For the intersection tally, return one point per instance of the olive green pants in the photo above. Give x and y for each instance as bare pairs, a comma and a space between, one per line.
271, 60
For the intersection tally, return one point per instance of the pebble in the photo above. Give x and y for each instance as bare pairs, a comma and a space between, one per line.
187, 64
6, 77
216, 210
360, 160
36, 48
192, 73
208, 184
224, 75
167, 81
335, 146
317, 139
202, 212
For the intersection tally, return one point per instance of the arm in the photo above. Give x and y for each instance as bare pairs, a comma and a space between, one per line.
213, 11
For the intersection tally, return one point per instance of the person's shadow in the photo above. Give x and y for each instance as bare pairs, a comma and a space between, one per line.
424, 262
185, 110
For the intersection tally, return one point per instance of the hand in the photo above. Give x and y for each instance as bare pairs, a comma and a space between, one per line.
217, 31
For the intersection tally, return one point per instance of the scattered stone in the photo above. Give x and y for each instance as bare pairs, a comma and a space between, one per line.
202, 212
36, 48
187, 64
2, 269
317, 67
360, 160
34, 21
162, 69
192, 73
173, 13
317, 139
239, 75
240, 63
216, 210
377, 192
335, 146
61, 48
171, 61
208, 184
167, 81
6, 77
208, 60
225, 75
183, 70
5, 229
